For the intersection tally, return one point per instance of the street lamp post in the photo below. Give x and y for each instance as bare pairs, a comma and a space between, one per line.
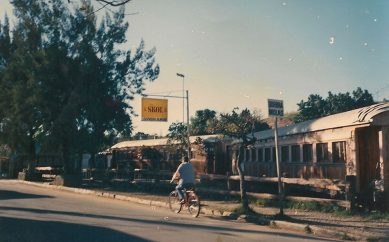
183, 108
187, 109
183, 95
187, 123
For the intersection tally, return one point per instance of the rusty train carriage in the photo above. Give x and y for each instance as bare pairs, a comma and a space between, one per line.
207, 157
349, 146
353, 144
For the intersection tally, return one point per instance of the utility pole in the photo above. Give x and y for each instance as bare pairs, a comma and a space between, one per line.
183, 95
187, 123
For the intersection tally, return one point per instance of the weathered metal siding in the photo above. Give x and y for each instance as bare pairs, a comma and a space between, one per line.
384, 161
298, 168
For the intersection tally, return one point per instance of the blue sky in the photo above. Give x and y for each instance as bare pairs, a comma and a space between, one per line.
240, 53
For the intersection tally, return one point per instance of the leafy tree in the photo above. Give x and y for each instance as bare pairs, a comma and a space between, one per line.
313, 108
20, 115
240, 125
204, 122
362, 98
177, 134
316, 106
337, 103
68, 84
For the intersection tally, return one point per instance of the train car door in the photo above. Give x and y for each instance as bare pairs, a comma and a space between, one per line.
368, 155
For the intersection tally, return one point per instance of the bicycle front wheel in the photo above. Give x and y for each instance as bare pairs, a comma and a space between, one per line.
194, 205
174, 203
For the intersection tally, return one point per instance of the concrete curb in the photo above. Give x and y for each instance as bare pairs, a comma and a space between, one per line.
277, 224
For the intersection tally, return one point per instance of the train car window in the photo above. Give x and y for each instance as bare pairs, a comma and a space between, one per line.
247, 155
267, 155
339, 151
322, 152
296, 153
253, 154
260, 155
285, 153
307, 153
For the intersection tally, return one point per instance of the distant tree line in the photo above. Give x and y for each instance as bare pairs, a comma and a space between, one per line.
316, 106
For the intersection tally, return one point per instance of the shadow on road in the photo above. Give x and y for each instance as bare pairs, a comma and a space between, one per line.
6, 195
163, 222
35, 230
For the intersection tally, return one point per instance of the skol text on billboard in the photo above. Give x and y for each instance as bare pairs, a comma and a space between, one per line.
154, 109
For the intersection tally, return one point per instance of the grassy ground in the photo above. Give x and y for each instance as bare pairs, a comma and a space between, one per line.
321, 207
165, 188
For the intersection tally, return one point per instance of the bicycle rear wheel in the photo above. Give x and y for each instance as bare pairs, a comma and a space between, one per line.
174, 203
194, 204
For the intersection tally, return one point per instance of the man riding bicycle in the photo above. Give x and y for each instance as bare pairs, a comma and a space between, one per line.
186, 174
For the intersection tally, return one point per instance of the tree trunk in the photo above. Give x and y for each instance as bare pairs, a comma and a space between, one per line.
243, 194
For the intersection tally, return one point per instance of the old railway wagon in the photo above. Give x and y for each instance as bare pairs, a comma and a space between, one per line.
352, 145
207, 155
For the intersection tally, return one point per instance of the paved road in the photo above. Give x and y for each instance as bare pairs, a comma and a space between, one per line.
29, 213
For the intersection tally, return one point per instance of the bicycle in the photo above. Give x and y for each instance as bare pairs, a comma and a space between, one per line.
192, 202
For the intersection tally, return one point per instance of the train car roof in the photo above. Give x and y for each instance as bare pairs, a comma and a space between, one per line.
163, 141
354, 117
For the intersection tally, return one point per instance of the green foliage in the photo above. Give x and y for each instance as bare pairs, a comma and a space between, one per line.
4, 151
373, 215
240, 124
316, 106
204, 122
302, 205
67, 85
178, 135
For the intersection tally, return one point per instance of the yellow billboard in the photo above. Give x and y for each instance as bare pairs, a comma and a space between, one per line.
154, 109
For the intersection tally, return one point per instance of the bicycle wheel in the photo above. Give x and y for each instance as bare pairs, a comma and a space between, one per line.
194, 204
174, 203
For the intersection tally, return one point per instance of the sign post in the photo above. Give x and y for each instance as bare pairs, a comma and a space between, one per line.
276, 109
